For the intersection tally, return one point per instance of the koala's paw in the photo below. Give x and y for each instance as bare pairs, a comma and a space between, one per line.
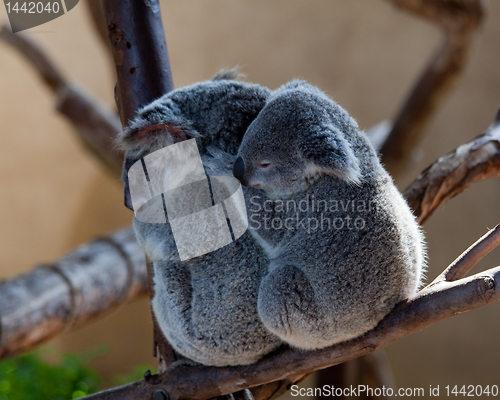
286, 305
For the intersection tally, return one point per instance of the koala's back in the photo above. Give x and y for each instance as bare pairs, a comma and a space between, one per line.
353, 253
206, 306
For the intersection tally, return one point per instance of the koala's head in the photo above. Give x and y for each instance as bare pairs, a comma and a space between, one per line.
156, 126
298, 136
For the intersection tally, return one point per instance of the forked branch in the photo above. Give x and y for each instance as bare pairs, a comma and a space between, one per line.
425, 308
470, 257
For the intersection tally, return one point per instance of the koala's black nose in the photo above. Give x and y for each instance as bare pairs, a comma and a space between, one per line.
239, 168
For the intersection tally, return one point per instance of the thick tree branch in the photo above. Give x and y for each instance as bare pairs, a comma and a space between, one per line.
143, 74
459, 20
96, 124
140, 53
81, 286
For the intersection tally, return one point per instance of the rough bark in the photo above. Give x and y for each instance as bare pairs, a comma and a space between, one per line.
143, 74
427, 307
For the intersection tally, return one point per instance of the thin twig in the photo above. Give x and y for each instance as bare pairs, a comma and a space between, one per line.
459, 20
470, 257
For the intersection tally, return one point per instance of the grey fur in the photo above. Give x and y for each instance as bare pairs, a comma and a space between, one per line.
206, 306
236, 304
351, 249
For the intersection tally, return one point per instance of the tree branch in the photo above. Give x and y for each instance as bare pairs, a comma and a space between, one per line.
140, 53
470, 257
459, 20
427, 307
81, 286
96, 124
143, 74
452, 173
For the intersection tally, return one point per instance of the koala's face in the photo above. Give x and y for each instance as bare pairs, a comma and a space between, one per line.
270, 157
279, 171
296, 138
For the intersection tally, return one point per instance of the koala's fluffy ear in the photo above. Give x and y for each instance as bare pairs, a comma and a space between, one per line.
145, 135
142, 136
333, 155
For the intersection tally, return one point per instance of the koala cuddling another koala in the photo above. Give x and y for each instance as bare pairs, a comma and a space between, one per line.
298, 275
343, 245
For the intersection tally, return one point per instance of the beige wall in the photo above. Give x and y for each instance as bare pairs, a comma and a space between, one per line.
363, 53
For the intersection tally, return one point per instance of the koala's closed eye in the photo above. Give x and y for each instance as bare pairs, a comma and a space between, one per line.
264, 164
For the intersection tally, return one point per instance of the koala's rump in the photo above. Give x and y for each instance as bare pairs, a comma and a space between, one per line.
208, 310
357, 272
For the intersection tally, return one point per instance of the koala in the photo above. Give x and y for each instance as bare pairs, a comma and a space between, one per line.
342, 243
206, 306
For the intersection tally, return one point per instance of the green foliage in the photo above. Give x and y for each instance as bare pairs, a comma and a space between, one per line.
29, 377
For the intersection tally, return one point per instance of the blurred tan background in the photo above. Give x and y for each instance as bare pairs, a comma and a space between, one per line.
363, 53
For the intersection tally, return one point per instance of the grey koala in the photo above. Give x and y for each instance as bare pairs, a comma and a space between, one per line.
207, 306
309, 288
343, 245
